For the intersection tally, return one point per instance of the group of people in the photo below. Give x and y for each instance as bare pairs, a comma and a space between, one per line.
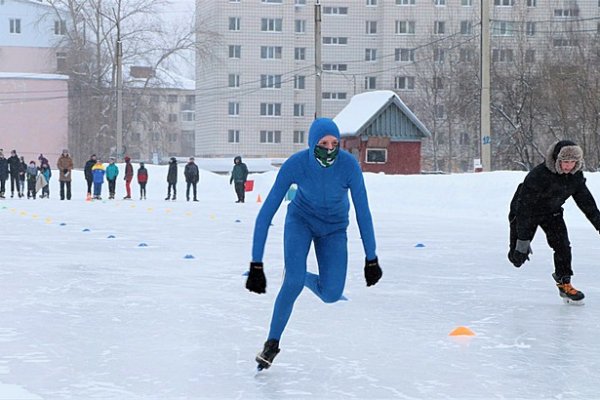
38, 177
318, 216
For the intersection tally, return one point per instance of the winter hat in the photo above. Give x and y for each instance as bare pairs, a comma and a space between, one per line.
65, 151
564, 150
127, 159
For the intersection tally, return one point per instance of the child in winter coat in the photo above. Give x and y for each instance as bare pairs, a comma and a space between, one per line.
22, 176
98, 172
142, 178
112, 171
47, 173
32, 173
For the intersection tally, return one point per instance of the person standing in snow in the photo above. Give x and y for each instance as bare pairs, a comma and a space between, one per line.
98, 172
15, 166
239, 175
32, 173
3, 173
22, 176
142, 178
172, 179
319, 215
47, 174
538, 202
87, 172
65, 167
112, 171
192, 176
128, 177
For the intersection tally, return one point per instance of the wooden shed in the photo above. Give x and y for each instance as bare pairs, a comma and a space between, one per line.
382, 132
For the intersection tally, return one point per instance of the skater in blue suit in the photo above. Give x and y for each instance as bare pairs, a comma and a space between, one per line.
318, 214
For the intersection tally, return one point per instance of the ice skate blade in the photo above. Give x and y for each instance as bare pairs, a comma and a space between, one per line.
573, 302
262, 363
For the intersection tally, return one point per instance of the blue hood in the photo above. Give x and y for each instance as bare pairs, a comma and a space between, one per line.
320, 128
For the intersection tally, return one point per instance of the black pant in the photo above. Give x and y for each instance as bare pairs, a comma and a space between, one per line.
2, 185
112, 184
187, 190
240, 190
89, 185
172, 185
142, 189
557, 237
14, 182
64, 184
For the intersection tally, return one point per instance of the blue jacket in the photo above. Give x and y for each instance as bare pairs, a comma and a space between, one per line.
98, 172
322, 193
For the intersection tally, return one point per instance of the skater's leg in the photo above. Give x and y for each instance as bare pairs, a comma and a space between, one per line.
297, 238
558, 239
332, 257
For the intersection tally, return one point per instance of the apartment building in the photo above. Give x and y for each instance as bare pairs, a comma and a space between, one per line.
33, 96
256, 91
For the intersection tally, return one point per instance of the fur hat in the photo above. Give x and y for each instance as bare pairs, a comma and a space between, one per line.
564, 150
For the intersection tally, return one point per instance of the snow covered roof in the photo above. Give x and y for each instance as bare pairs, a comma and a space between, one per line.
29, 75
364, 107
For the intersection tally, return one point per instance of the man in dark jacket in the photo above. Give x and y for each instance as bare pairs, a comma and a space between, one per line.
3, 173
87, 172
172, 179
239, 175
192, 176
14, 165
538, 201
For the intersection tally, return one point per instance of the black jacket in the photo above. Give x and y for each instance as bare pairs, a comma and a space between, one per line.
87, 169
191, 172
15, 165
172, 174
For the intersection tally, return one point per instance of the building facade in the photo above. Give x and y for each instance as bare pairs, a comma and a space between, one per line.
33, 97
256, 91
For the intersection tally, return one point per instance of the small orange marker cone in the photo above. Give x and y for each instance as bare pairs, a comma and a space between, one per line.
88, 197
258, 199
462, 331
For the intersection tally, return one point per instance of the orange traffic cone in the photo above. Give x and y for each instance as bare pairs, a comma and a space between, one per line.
88, 197
258, 199
462, 331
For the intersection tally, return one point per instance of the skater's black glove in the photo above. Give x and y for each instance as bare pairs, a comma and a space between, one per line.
256, 281
372, 271
521, 253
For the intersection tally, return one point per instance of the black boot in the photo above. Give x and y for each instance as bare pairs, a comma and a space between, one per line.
566, 290
266, 357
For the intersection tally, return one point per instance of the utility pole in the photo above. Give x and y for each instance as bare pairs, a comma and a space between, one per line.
119, 62
485, 122
318, 71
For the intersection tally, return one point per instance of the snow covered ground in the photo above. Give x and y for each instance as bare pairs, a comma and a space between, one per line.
98, 299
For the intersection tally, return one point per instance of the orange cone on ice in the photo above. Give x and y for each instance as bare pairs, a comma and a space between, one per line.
462, 331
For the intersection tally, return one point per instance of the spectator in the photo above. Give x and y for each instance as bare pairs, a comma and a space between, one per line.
87, 171
14, 165
3, 173
239, 175
32, 173
192, 176
112, 171
22, 174
46, 173
128, 177
65, 167
142, 177
172, 179
98, 172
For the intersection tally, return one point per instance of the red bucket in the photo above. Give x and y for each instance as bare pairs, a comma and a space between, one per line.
249, 186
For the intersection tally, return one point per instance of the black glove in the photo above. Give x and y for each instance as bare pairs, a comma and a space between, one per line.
521, 253
372, 271
256, 281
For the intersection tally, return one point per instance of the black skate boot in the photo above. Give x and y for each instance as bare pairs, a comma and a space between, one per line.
568, 293
266, 357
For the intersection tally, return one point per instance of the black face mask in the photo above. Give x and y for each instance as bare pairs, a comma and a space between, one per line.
326, 157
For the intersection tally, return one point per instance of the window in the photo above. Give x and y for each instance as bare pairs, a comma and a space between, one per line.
404, 55
404, 83
234, 1
405, 2
234, 80
371, 3
370, 82
154, 98
438, 83
270, 109
172, 98
502, 55
531, 3
337, 41
566, 12
60, 28
270, 81
172, 117
466, 55
529, 56
233, 136
370, 54
15, 25
335, 67
335, 10
298, 137
234, 23
155, 136
300, 2
300, 53
439, 55
405, 27
136, 136
376, 156
271, 24
502, 28
61, 61
504, 3
439, 111
190, 99
270, 52
298, 110
564, 42
439, 2
300, 26
235, 51
271, 1
233, 108
371, 27
439, 27
334, 96
270, 136
155, 117
466, 27
188, 116
299, 82
466, 3
530, 28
